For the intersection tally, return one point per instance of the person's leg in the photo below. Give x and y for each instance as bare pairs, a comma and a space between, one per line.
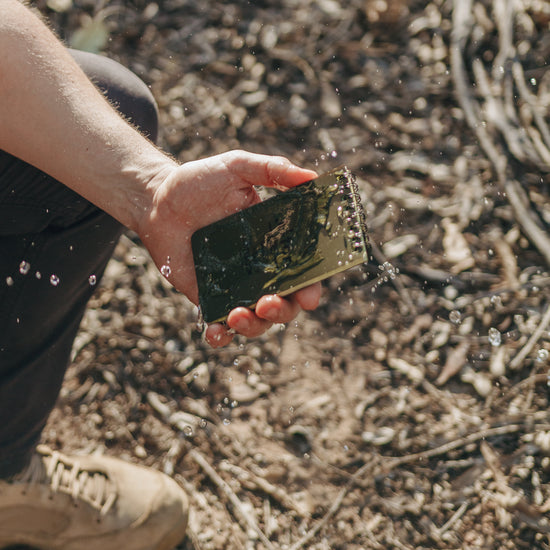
54, 246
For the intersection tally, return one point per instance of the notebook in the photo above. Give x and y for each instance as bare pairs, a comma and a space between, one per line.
290, 240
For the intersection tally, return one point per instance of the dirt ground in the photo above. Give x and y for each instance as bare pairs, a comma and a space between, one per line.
410, 410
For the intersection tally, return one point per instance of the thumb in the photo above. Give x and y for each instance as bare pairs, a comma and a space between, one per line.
266, 170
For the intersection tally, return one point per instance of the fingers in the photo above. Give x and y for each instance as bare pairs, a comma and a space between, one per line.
247, 323
309, 297
269, 310
283, 310
265, 170
241, 320
277, 309
217, 335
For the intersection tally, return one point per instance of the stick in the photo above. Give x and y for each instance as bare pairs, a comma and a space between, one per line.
518, 359
454, 518
241, 512
451, 445
525, 217
332, 511
530, 99
392, 463
258, 482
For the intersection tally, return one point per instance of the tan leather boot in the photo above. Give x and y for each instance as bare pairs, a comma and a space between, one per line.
91, 503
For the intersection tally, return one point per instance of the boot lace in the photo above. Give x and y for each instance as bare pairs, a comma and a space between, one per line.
65, 475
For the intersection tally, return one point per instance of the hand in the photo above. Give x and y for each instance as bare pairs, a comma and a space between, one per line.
197, 193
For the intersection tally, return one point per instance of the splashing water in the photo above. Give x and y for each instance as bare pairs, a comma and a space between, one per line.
24, 267
389, 270
54, 280
201, 325
166, 269
92, 280
455, 317
188, 431
495, 338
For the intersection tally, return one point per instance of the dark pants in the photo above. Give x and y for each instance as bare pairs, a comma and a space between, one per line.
54, 245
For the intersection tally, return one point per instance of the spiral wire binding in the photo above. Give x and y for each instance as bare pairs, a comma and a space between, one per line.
355, 211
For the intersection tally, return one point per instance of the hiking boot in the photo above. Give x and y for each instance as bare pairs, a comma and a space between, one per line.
90, 503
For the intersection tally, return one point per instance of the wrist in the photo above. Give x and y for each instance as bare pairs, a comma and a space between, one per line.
139, 185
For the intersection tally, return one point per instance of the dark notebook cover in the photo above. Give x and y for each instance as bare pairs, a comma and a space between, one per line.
289, 241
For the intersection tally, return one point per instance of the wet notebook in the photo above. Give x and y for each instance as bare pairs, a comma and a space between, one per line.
288, 241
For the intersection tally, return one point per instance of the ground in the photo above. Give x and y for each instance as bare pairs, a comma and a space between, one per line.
410, 410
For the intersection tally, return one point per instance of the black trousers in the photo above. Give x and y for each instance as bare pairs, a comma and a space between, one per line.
54, 247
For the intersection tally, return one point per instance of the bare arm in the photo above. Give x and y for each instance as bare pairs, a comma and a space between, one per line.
51, 116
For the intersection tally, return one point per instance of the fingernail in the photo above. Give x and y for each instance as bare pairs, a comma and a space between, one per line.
242, 325
271, 314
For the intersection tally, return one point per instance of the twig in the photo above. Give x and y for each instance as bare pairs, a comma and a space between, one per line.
252, 480
332, 511
495, 113
524, 352
392, 463
504, 15
451, 445
530, 99
380, 257
241, 512
453, 519
528, 382
525, 217
511, 499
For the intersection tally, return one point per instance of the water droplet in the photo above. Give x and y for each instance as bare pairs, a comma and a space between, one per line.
38, 275
24, 267
388, 271
54, 280
166, 270
201, 325
92, 279
334, 154
187, 430
495, 338
455, 317
9, 281
542, 355
226, 421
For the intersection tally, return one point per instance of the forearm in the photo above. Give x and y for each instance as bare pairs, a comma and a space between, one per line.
51, 116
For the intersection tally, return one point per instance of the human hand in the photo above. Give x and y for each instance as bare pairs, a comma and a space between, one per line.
197, 193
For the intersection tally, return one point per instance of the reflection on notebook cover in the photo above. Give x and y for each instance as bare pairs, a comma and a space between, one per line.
280, 245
